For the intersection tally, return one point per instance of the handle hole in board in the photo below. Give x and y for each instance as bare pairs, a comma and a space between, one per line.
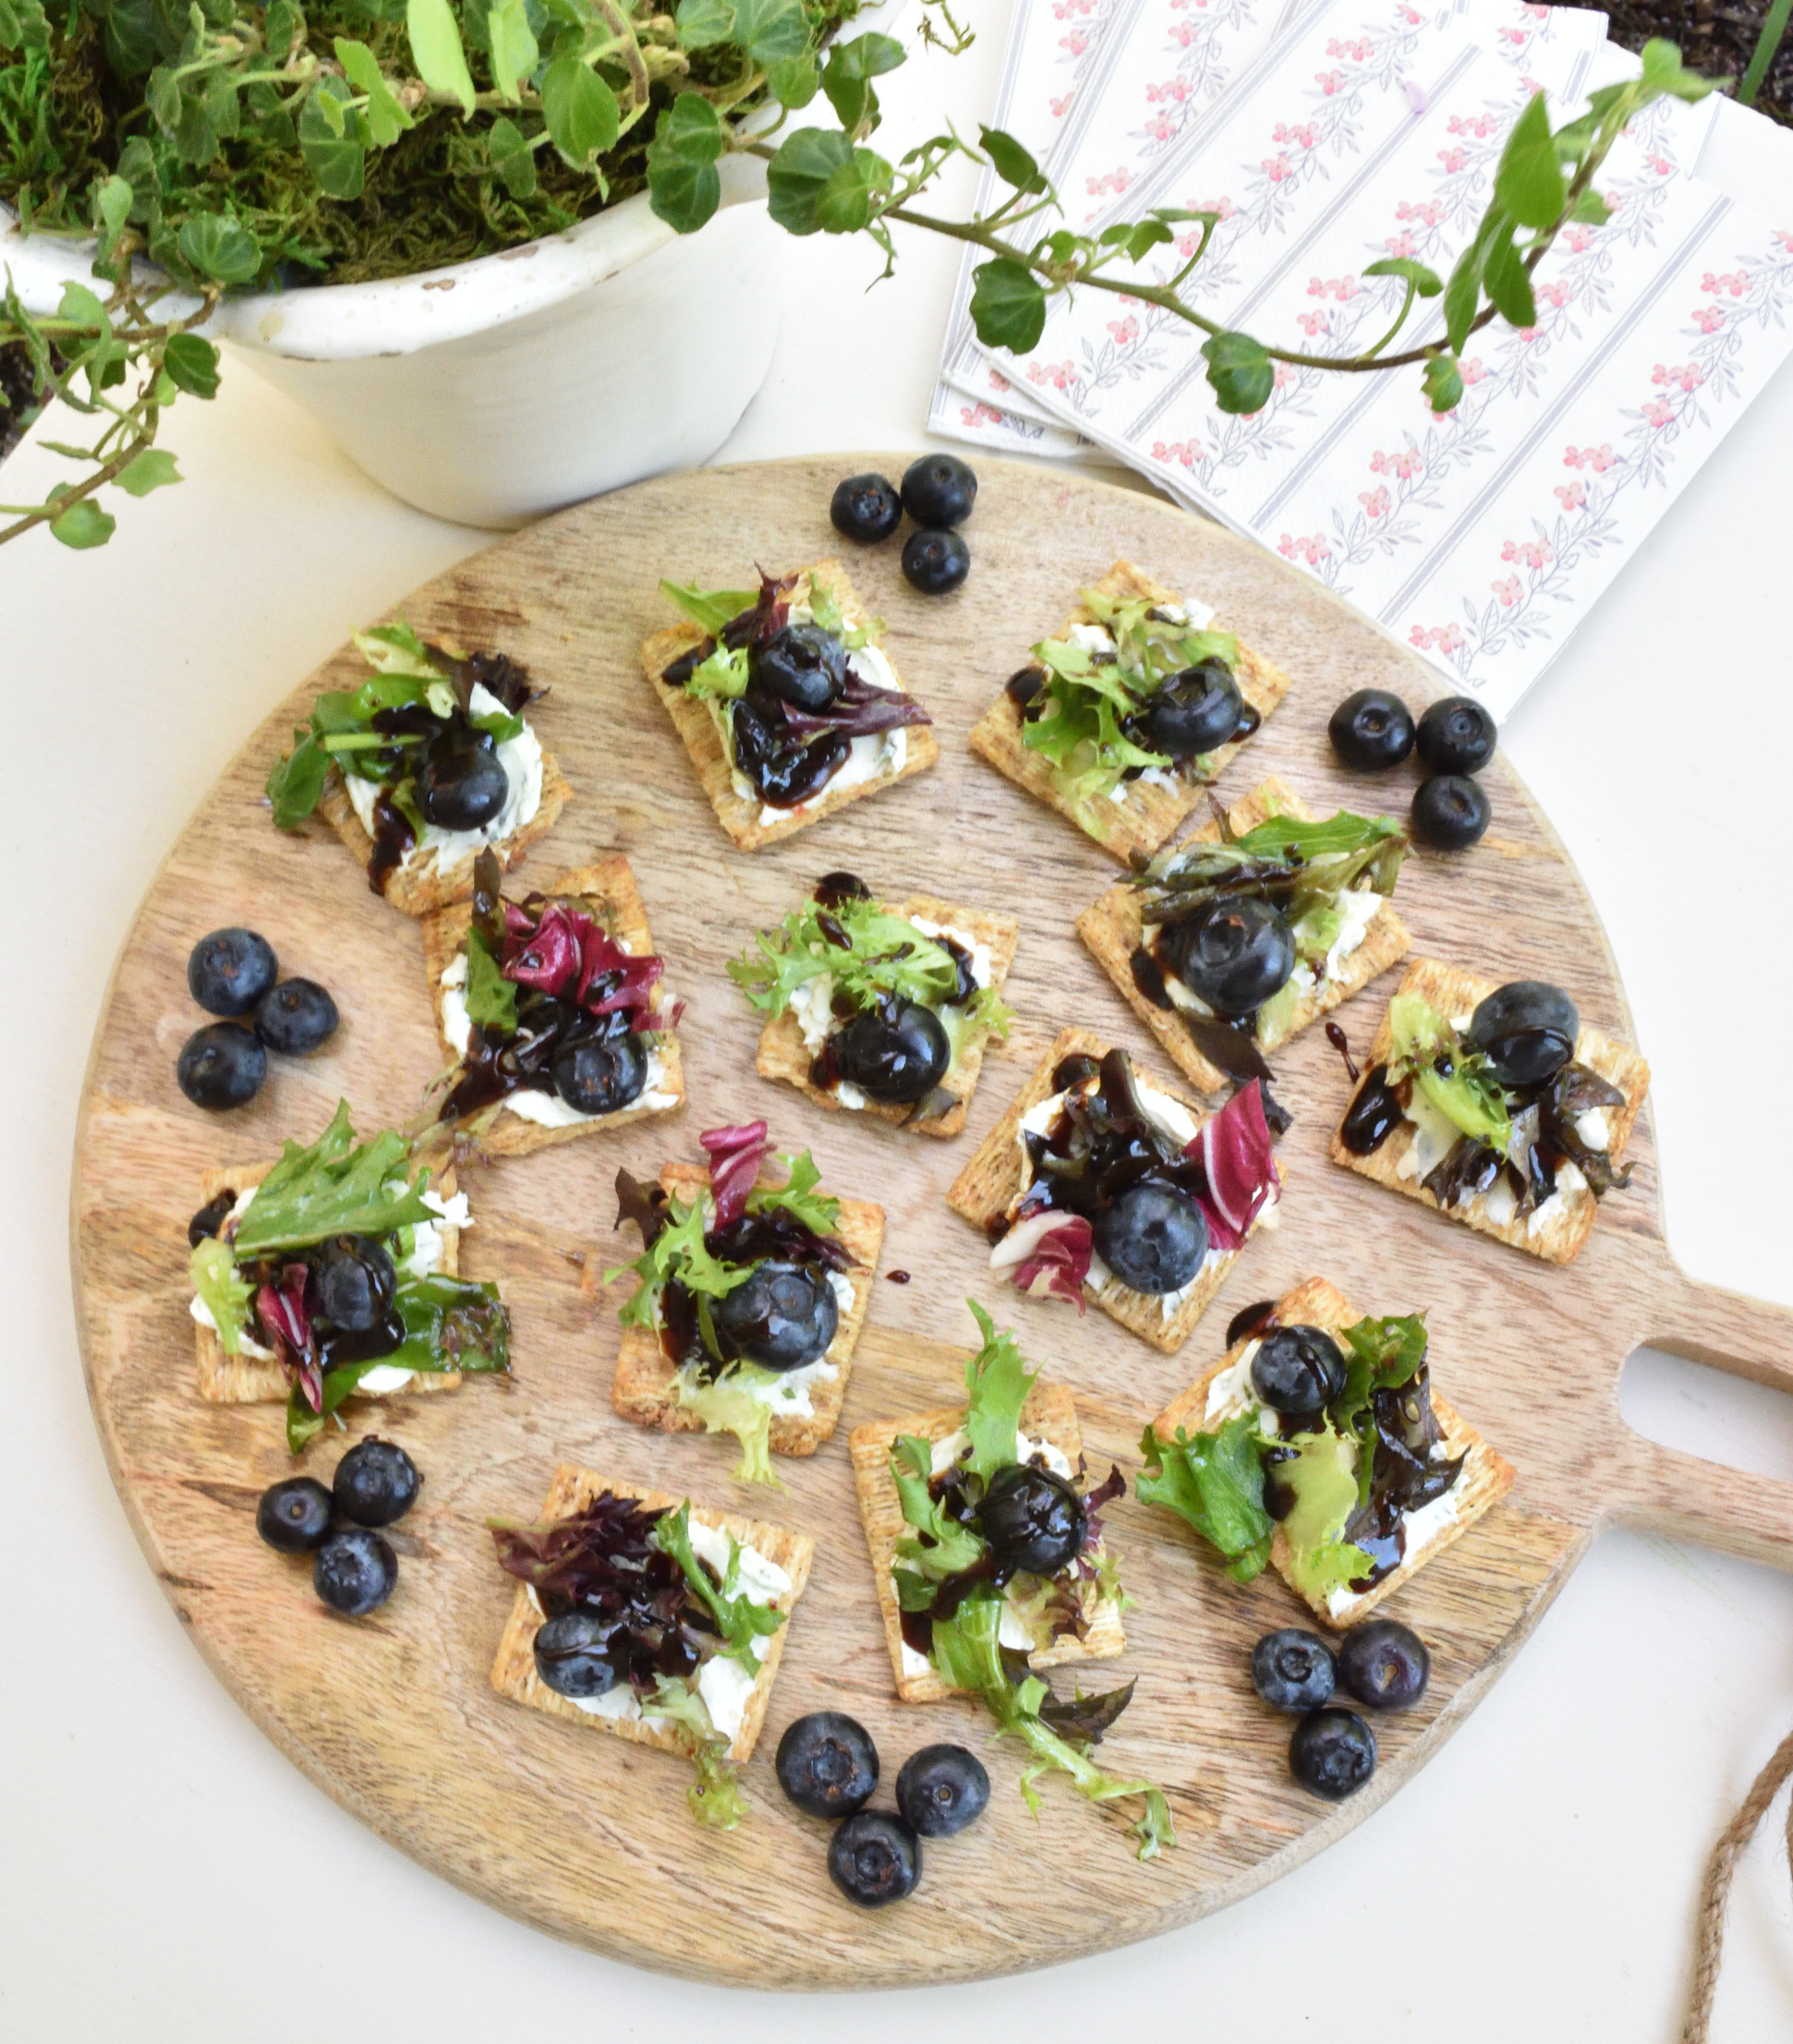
1709, 1413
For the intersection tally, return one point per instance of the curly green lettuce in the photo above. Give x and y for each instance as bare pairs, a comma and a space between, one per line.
334, 1186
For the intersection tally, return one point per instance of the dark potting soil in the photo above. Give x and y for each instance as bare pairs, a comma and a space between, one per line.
1717, 38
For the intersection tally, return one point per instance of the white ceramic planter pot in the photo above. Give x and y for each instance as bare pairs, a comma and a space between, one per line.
493, 391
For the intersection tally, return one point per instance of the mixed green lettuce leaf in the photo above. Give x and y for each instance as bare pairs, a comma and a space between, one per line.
1214, 1481
1458, 1082
334, 1186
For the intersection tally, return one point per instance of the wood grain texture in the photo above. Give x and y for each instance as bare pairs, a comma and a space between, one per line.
589, 1837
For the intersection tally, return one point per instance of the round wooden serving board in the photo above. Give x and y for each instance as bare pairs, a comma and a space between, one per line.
589, 1837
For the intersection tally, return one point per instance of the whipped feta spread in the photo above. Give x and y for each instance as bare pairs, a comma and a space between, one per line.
1421, 1531
521, 759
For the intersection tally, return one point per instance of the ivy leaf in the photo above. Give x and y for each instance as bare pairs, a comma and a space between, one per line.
282, 25
23, 25
580, 110
79, 304
222, 110
1008, 305
847, 78
83, 525
513, 49
1239, 372
770, 30
704, 23
221, 247
1505, 279
1663, 72
1463, 292
1427, 283
799, 175
437, 51
845, 205
1011, 162
1590, 210
113, 200
512, 157
1529, 180
329, 142
1444, 383
192, 363
683, 185
794, 82
153, 469
386, 119
1136, 238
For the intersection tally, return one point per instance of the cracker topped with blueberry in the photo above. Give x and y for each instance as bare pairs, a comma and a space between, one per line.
1496, 1105
333, 1275
555, 1008
1120, 721
1098, 1185
785, 700
653, 1619
427, 761
1317, 1445
1251, 929
880, 1008
751, 1290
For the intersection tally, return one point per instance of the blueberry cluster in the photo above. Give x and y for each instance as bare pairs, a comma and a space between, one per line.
1455, 739
828, 1766
938, 492
234, 972
1381, 1665
354, 1569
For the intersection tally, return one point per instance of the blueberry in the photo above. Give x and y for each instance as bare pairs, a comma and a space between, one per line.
865, 508
1293, 1670
601, 1074
1456, 736
939, 490
1235, 954
296, 1017
934, 563
1383, 1665
784, 1317
294, 1515
874, 1859
1371, 730
572, 1654
1298, 1369
802, 665
942, 1790
898, 1059
1152, 1236
221, 1066
376, 1482
826, 1764
1032, 1519
464, 785
356, 1571
351, 1285
1526, 1030
1194, 711
1333, 1753
228, 972
1451, 812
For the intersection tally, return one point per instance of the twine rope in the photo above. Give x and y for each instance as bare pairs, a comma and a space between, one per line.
1715, 1892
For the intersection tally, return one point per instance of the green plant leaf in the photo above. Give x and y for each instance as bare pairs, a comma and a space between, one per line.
1136, 238
1427, 283
998, 1381
81, 306
770, 31
704, 23
192, 362
221, 247
511, 45
1011, 162
1239, 372
1506, 282
1463, 291
23, 25
1590, 210
847, 78
580, 110
329, 142
113, 200
1008, 305
1529, 179
1442, 383
153, 469
794, 82
296, 782
386, 119
282, 24
512, 157
437, 51
683, 185
334, 1186
799, 175
83, 525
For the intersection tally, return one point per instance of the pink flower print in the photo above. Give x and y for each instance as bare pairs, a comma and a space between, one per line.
1280, 376
1659, 412
1576, 240
1661, 166
1115, 181
1784, 238
1275, 167
1404, 463
1062, 108
1375, 501
1571, 496
999, 382
1125, 331
1737, 282
1444, 638
1599, 458
1507, 590
1075, 43
1526, 332
1401, 245
1344, 288
1452, 159
1171, 89
1312, 323
1162, 128
1517, 37
1184, 33
980, 415
1431, 212
1358, 51
1061, 375
1186, 453
1537, 13
1411, 17
1534, 553
1472, 372
1479, 124
1708, 319
1304, 132
1312, 550
1689, 376
1329, 82
1552, 293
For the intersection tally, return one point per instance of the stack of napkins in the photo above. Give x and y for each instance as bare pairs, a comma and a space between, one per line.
1328, 134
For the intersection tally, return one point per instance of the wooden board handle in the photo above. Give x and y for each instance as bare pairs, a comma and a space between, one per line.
1683, 1495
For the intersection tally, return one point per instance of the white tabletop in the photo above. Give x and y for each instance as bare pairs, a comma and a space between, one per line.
163, 1869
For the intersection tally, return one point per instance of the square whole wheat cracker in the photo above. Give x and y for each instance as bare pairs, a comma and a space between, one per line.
783, 1054
256, 1380
739, 813
1113, 929
992, 1177
514, 1670
1484, 1481
421, 886
608, 892
645, 1388
1150, 813
1455, 994
1047, 1415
